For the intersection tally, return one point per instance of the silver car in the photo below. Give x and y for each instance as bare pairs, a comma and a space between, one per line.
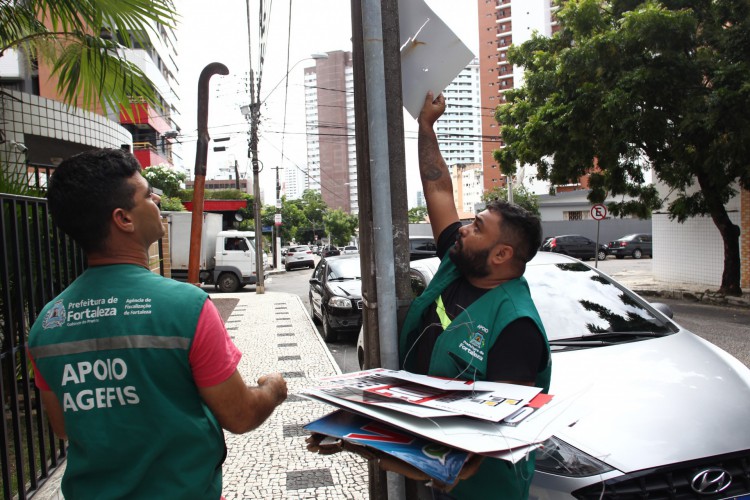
664, 413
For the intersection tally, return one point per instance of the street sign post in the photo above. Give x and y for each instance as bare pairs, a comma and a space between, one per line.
598, 212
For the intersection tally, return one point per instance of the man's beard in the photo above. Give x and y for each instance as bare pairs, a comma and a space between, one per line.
470, 265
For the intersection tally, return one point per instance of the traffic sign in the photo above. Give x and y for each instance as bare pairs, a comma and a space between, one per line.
599, 212
277, 219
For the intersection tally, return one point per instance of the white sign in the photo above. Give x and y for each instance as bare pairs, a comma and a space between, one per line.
599, 212
431, 54
277, 219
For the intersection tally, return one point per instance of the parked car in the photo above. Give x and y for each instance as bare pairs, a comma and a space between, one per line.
575, 245
329, 251
336, 295
298, 256
635, 374
316, 249
349, 249
421, 247
634, 245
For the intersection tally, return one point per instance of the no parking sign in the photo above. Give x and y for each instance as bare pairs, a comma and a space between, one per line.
599, 212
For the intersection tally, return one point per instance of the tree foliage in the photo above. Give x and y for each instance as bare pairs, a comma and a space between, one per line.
417, 214
88, 67
521, 197
340, 226
165, 178
630, 84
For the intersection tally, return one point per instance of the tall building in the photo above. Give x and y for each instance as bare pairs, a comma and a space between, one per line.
467, 187
502, 23
459, 129
329, 117
35, 121
154, 130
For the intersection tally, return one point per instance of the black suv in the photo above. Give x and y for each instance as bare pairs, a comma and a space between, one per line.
421, 247
329, 251
635, 245
575, 245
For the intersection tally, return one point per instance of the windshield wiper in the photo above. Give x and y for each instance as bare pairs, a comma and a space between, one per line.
605, 338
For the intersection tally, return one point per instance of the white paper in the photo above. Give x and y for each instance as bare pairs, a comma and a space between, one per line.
431, 54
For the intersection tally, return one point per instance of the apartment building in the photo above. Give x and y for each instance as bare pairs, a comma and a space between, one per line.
502, 23
459, 129
40, 130
329, 116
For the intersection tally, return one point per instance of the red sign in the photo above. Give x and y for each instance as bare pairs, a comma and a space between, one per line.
599, 211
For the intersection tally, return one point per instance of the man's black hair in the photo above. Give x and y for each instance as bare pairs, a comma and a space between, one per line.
86, 188
520, 228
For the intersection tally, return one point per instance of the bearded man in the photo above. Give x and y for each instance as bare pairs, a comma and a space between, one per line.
476, 320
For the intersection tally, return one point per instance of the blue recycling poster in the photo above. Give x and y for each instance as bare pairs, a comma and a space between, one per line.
434, 459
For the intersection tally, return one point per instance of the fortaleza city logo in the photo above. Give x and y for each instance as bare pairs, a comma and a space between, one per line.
82, 311
55, 317
474, 346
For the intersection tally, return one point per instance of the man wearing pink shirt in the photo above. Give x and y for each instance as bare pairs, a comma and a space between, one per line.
135, 370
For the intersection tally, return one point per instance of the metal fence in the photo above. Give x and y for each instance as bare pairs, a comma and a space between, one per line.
37, 262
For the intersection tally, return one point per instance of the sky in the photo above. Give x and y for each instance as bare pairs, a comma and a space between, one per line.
218, 32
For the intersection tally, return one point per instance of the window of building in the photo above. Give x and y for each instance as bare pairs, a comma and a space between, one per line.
573, 215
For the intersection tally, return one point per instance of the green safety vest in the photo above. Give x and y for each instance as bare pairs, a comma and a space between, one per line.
114, 347
461, 351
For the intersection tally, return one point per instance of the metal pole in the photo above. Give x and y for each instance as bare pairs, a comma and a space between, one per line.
260, 287
201, 157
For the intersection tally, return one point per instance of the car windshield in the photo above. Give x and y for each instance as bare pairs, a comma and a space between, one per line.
577, 302
344, 269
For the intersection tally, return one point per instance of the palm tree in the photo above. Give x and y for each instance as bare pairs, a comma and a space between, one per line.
75, 38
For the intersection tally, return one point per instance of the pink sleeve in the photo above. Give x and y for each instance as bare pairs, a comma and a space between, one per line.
213, 356
41, 384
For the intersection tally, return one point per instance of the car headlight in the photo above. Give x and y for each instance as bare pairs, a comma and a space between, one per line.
340, 302
558, 457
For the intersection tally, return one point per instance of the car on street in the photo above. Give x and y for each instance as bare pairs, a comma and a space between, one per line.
421, 247
336, 295
631, 245
298, 256
576, 246
329, 251
349, 249
662, 412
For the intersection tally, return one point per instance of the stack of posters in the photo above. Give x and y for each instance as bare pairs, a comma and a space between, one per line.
425, 414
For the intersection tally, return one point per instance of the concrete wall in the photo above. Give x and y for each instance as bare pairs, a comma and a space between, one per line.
609, 229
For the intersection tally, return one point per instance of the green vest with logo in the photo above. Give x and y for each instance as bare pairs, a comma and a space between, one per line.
114, 349
461, 351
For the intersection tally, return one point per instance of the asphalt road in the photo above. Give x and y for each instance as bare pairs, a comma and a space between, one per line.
729, 328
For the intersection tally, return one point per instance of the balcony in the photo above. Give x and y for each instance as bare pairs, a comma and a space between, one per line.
147, 154
145, 116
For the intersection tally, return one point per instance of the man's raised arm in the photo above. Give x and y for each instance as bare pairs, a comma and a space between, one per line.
436, 180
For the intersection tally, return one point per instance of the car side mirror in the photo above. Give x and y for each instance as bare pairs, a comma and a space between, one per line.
314, 281
664, 309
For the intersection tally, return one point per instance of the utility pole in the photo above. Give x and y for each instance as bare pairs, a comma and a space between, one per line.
276, 225
260, 287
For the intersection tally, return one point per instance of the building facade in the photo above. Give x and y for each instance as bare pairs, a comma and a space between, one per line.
459, 129
37, 124
502, 23
329, 117
468, 186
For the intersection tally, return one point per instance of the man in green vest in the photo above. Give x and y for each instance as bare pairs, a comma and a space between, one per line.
476, 319
136, 371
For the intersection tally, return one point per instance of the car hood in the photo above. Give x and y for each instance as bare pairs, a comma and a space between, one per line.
351, 289
654, 402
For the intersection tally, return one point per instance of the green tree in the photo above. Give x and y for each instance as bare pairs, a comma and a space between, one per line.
86, 63
521, 196
340, 226
314, 208
165, 178
417, 214
629, 84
